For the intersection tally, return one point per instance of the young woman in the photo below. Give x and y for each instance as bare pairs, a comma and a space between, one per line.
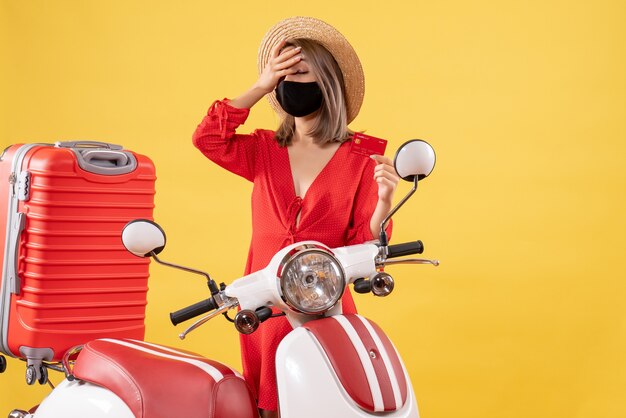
308, 185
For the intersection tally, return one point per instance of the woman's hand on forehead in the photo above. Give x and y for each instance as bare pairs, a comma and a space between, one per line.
302, 72
286, 48
280, 65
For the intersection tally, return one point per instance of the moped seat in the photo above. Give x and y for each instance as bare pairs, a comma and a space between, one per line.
159, 381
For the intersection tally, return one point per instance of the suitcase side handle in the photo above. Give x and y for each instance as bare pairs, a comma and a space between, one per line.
15, 284
87, 144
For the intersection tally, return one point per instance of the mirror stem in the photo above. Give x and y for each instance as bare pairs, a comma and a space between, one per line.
212, 285
384, 240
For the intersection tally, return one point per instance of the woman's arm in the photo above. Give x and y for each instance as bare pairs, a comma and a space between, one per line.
215, 136
387, 179
217, 139
372, 201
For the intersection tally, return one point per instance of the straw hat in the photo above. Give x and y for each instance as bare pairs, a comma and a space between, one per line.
333, 41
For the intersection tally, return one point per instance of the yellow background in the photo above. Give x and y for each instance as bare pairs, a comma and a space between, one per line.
524, 103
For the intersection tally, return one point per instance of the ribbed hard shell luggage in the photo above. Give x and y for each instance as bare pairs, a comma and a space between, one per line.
66, 277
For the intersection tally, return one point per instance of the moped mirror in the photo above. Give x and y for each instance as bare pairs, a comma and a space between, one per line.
414, 161
414, 158
143, 238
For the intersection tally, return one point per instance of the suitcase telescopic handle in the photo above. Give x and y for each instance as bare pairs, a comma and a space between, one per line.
87, 144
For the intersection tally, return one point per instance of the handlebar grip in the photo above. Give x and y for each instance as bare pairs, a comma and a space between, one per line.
192, 311
407, 248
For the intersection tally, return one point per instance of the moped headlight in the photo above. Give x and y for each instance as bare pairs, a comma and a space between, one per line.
311, 279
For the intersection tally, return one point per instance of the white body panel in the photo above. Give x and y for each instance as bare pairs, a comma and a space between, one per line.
309, 388
357, 260
262, 288
307, 383
254, 290
78, 399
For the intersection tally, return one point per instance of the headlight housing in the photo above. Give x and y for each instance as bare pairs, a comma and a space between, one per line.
311, 279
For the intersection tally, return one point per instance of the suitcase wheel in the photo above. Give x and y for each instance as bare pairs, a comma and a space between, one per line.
3, 364
36, 373
31, 375
43, 378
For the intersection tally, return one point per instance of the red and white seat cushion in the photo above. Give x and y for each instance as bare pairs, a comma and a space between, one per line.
364, 360
158, 381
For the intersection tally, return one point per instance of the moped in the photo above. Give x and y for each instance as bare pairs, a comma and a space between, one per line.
330, 365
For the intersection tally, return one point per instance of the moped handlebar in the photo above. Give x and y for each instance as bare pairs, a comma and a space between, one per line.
192, 311
407, 248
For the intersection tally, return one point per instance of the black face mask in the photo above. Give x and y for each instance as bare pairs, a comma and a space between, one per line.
299, 99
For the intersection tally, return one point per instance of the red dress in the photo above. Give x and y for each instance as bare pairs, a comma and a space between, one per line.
335, 211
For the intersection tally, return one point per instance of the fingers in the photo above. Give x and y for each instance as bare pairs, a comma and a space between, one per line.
284, 61
278, 66
386, 177
384, 164
385, 167
287, 71
288, 53
387, 183
282, 65
381, 159
276, 50
386, 190
287, 63
386, 174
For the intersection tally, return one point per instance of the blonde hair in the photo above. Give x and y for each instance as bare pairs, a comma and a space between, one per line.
331, 124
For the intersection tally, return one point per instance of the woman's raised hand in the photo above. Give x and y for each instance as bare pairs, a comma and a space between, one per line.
279, 65
386, 177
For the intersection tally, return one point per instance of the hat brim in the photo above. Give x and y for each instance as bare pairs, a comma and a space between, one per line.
331, 39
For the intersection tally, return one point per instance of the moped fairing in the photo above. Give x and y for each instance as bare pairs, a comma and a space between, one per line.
342, 366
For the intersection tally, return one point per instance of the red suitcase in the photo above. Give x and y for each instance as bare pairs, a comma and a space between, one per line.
66, 277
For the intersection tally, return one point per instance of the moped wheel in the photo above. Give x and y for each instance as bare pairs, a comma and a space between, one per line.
3, 364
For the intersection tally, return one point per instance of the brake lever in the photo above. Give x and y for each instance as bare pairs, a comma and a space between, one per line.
409, 261
223, 309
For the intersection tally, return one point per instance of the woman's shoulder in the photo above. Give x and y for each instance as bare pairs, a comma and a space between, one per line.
265, 133
267, 136
265, 142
